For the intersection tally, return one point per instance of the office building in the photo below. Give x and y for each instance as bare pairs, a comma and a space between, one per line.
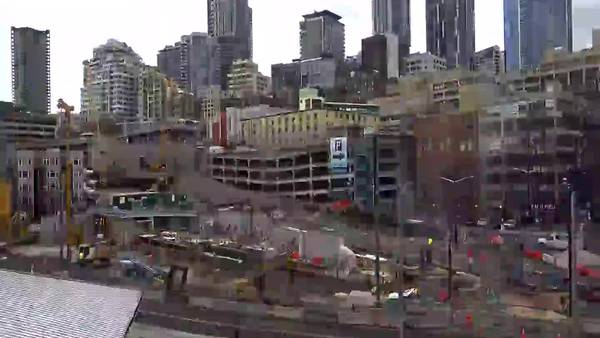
30, 61
380, 53
111, 82
393, 16
395, 169
527, 145
231, 18
596, 38
451, 30
245, 81
531, 28
230, 22
489, 61
285, 83
319, 72
322, 34
447, 147
424, 63
194, 62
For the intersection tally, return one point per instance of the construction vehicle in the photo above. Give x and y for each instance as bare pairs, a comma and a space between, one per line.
97, 254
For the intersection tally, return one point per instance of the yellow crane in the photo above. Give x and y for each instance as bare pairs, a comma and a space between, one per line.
73, 235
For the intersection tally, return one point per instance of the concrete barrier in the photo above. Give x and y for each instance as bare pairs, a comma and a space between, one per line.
286, 312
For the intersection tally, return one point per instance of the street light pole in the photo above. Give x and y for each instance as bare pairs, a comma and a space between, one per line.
529, 192
452, 230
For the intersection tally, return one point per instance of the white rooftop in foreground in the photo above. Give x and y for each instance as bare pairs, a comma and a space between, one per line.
138, 330
36, 306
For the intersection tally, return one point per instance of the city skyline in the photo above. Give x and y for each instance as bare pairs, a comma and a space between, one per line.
73, 42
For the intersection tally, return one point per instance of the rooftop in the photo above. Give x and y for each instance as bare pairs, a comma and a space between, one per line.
322, 13
38, 306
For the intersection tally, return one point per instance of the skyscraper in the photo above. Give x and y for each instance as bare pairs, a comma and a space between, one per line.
193, 62
322, 33
230, 22
30, 62
533, 27
111, 82
451, 30
392, 16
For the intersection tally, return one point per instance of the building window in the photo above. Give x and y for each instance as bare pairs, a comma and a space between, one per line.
20, 162
46, 161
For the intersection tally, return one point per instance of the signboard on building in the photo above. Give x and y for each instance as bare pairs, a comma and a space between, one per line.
338, 154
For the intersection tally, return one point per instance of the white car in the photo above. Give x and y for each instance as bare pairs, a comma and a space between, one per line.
555, 241
509, 224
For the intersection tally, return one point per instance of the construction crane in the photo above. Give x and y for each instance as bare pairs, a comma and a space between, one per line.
73, 235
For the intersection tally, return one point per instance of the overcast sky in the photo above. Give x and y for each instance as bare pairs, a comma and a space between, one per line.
76, 27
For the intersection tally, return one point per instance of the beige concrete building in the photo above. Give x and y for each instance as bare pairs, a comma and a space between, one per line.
245, 81
306, 127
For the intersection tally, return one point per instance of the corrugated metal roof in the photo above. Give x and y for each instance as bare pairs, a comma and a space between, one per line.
35, 306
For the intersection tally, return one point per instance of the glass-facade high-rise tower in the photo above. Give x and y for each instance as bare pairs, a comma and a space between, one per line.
532, 27
451, 30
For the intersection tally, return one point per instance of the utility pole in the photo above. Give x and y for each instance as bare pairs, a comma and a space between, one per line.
376, 220
72, 234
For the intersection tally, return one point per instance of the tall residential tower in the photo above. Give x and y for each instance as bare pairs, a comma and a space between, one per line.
451, 30
533, 27
30, 60
111, 82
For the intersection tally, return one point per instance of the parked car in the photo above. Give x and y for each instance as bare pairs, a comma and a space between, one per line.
482, 222
509, 224
555, 241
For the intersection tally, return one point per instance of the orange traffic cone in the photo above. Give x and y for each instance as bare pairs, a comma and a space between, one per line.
523, 333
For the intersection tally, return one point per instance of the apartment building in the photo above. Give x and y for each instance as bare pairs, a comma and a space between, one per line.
160, 98
40, 180
30, 61
111, 82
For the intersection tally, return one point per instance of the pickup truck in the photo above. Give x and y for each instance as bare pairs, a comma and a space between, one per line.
554, 241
